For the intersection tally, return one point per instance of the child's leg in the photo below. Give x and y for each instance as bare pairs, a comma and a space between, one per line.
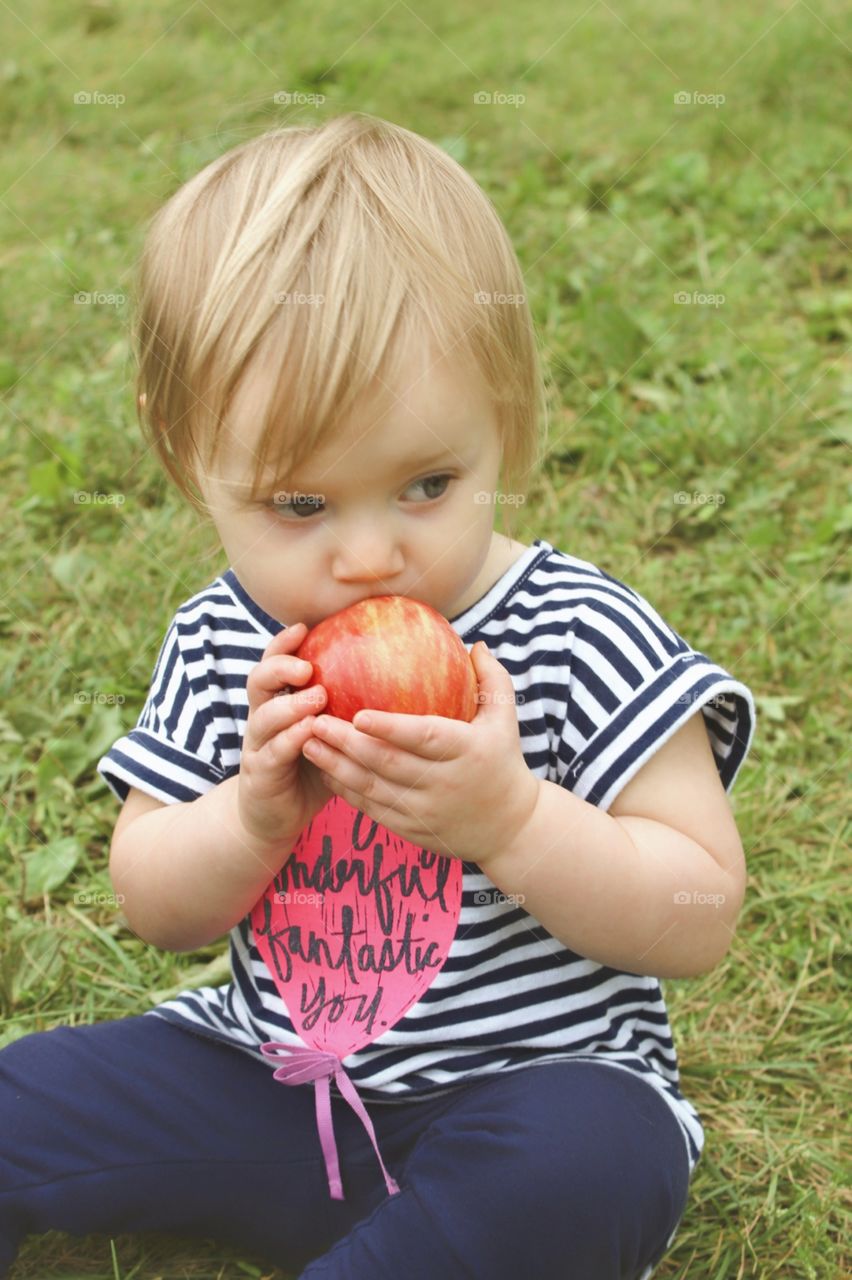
137, 1125
568, 1170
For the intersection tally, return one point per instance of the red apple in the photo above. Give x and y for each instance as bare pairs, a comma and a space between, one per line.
394, 654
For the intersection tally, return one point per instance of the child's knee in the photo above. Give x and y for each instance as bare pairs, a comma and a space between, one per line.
512, 1196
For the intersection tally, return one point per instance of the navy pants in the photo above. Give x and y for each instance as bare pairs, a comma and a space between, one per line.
568, 1170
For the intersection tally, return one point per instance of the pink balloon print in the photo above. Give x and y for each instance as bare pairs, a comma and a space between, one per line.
355, 927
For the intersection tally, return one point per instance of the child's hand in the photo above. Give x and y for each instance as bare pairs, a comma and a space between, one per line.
463, 790
279, 791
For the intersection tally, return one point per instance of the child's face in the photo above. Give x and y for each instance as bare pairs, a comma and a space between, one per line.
402, 504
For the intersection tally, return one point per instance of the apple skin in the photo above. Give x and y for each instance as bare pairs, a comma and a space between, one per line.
391, 653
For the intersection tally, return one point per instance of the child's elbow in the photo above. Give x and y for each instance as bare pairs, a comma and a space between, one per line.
721, 926
736, 882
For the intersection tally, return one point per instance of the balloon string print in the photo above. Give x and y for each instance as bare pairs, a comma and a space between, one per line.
309, 1064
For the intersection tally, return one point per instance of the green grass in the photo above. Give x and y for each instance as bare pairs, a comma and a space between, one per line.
616, 199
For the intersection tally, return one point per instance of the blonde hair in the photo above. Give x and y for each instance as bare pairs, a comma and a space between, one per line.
382, 225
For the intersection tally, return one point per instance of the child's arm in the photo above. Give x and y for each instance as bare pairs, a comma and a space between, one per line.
189, 872
654, 888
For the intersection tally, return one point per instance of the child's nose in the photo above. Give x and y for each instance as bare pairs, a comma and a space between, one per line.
367, 558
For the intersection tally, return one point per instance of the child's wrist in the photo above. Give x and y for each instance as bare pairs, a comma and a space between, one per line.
254, 848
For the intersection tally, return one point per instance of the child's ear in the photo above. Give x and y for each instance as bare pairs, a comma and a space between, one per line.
142, 400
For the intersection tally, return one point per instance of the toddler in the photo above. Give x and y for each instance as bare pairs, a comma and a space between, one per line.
453, 1058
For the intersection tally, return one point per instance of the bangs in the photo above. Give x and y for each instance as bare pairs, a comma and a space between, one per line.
324, 360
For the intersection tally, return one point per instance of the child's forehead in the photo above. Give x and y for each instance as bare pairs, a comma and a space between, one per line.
373, 450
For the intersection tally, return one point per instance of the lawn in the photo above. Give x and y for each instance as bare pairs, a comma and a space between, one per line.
688, 272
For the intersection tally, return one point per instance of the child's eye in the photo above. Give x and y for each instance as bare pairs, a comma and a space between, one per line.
441, 480
303, 506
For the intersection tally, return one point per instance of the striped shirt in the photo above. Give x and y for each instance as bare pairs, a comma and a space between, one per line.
601, 682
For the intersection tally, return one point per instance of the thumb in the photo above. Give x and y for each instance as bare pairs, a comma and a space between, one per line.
496, 694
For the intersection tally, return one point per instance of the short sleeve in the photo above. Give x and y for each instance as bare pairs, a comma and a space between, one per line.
632, 683
172, 752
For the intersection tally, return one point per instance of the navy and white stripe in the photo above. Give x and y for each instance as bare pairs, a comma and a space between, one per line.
601, 682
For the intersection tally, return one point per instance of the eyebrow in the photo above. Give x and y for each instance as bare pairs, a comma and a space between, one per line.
408, 465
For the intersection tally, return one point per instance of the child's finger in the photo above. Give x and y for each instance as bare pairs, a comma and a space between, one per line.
278, 715
277, 671
286, 640
432, 737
